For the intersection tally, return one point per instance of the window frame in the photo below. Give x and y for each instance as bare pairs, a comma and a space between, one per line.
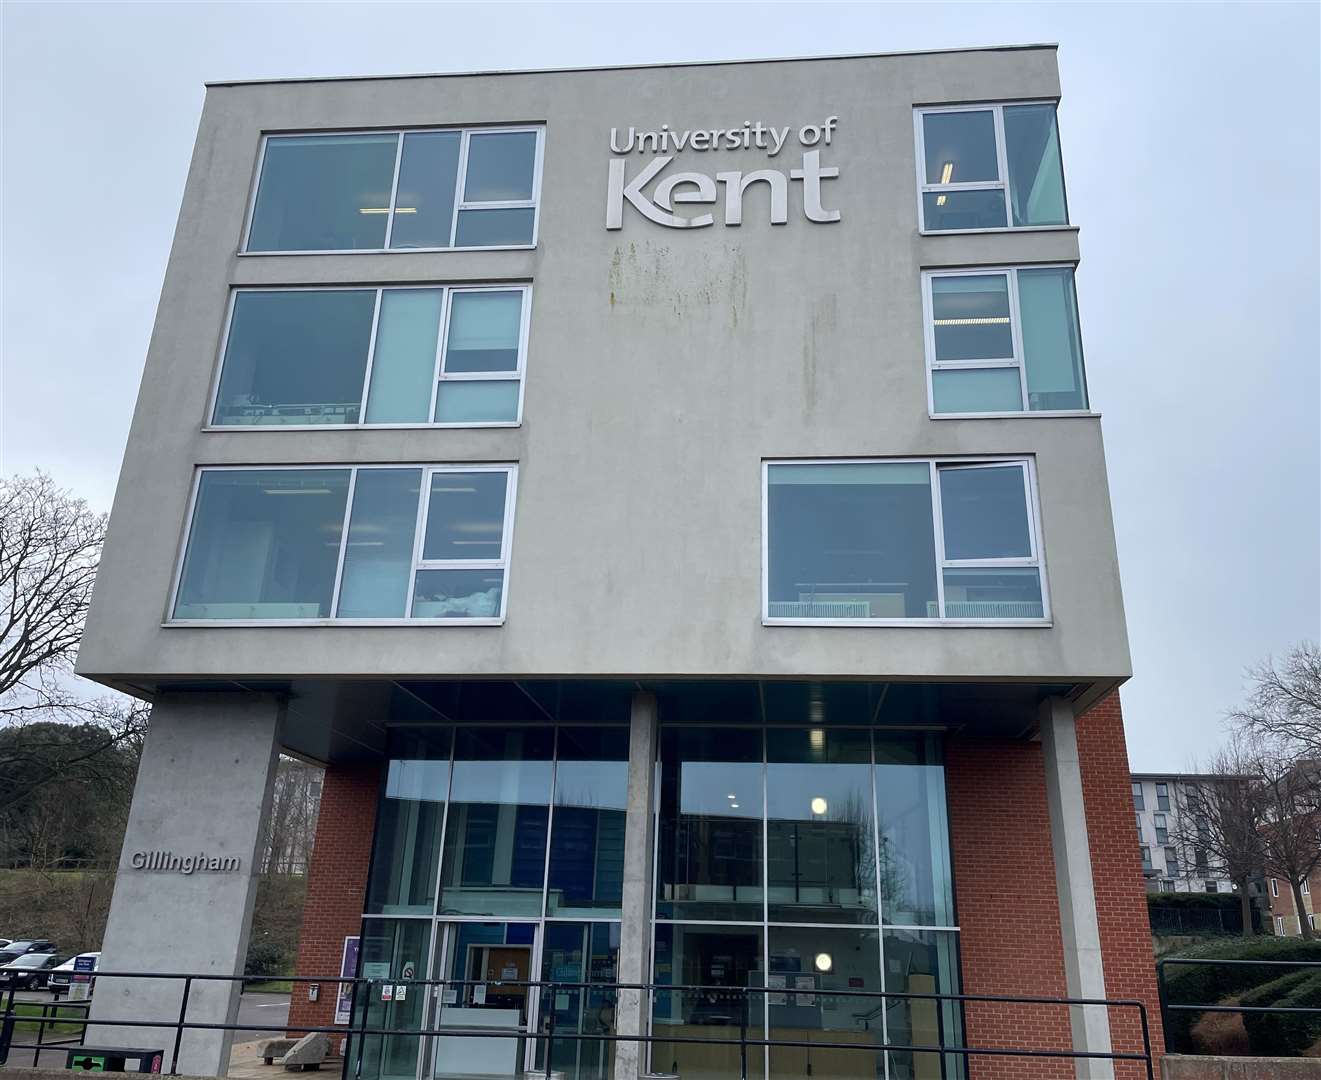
1037, 559
996, 108
460, 183
429, 469
1018, 361
438, 373
1275, 888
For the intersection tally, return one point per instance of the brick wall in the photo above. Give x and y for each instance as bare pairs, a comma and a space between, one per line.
1004, 880
336, 884
1121, 900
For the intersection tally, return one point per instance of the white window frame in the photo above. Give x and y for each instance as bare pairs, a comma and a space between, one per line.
429, 470
438, 373
1160, 823
1036, 559
1002, 165
460, 183
1017, 360
1305, 888
1279, 926
1275, 887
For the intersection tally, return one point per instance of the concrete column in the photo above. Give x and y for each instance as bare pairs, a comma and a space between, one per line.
1083, 970
639, 843
188, 872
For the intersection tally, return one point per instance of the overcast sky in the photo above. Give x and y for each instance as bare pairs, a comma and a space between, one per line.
1190, 139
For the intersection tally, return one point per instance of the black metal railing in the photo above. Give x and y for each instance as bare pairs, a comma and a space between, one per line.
365, 991
1173, 1038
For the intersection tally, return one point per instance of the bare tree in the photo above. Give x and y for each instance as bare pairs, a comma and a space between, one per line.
1221, 820
1285, 701
1291, 833
292, 822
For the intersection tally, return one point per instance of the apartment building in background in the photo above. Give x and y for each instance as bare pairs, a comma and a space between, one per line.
1168, 831
668, 502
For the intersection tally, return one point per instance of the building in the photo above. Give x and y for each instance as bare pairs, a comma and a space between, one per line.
667, 501
1172, 860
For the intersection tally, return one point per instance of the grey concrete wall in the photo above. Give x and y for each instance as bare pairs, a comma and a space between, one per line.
204, 785
1180, 1067
664, 366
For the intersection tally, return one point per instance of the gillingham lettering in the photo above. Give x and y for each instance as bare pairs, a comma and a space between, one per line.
201, 862
700, 188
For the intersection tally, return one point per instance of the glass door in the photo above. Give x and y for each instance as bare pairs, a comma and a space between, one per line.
579, 953
393, 955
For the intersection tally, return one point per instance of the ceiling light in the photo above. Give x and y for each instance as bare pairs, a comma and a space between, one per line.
824, 961
817, 738
296, 491
731, 796
946, 172
454, 490
405, 209
940, 200
373, 209
983, 320
819, 805
733, 806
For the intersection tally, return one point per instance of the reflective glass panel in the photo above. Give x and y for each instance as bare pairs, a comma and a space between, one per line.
971, 390
960, 147
501, 166
970, 317
1052, 347
466, 515
264, 544
587, 834
495, 840
923, 962
916, 885
1036, 177
984, 510
993, 592
424, 201
851, 541
379, 558
977, 209
484, 331
296, 356
391, 952
323, 193
581, 953
725, 960
407, 851
404, 362
710, 824
458, 594
803, 963
821, 840
495, 228
470, 402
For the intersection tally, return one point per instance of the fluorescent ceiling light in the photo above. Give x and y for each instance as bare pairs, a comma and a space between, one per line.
946, 172
386, 209
297, 491
940, 200
984, 320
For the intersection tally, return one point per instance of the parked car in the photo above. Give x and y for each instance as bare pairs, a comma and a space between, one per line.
15, 949
31, 971
62, 977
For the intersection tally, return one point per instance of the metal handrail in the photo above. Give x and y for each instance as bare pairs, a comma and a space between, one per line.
359, 1032
1167, 1007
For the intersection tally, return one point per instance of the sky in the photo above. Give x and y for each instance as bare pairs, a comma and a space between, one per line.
1191, 145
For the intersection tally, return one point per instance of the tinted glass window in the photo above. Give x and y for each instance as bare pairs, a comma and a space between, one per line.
484, 331
970, 317
465, 517
424, 202
985, 513
587, 837
378, 561
1036, 177
500, 166
960, 147
404, 363
1052, 349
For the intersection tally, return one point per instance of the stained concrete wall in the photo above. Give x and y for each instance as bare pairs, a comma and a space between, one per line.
664, 366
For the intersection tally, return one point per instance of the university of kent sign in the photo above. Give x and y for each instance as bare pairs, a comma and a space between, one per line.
675, 189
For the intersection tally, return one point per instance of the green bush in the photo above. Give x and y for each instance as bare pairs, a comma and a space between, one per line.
1284, 1034
1200, 985
266, 958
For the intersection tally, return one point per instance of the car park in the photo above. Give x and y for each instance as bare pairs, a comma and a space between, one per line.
61, 978
31, 971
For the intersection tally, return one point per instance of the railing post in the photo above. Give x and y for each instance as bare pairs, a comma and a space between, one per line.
178, 1031
550, 1025
362, 1038
7, 1028
743, 1039
1146, 1041
41, 1032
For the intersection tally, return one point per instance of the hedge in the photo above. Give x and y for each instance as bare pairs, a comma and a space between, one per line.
1284, 1034
1199, 985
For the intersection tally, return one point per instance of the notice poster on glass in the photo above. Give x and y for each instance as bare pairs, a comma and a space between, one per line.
774, 983
348, 968
804, 982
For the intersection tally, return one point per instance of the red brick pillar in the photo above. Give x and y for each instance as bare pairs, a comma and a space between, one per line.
336, 884
1121, 897
1008, 908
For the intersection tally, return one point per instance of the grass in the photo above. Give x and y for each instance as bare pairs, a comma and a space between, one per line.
29, 1008
269, 986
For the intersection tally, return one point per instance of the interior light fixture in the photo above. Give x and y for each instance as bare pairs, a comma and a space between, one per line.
940, 200
982, 320
733, 806
824, 961
455, 491
373, 209
731, 796
296, 491
817, 738
819, 806
946, 172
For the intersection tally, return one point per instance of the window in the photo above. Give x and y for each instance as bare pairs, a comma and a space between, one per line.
1311, 919
989, 167
1146, 858
1212, 886
1139, 823
1167, 885
1275, 887
1163, 797
1162, 831
1201, 860
397, 191
1306, 890
1005, 341
1138, 802
428, 355
1279, 926
1171, 860
890, 542
411, 542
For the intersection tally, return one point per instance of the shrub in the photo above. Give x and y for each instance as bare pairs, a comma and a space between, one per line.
1200, 985
1284, 1034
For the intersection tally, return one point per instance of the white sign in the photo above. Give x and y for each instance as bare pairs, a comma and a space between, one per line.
676, 189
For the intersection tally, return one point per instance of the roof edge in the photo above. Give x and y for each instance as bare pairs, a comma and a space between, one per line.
1052, 45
